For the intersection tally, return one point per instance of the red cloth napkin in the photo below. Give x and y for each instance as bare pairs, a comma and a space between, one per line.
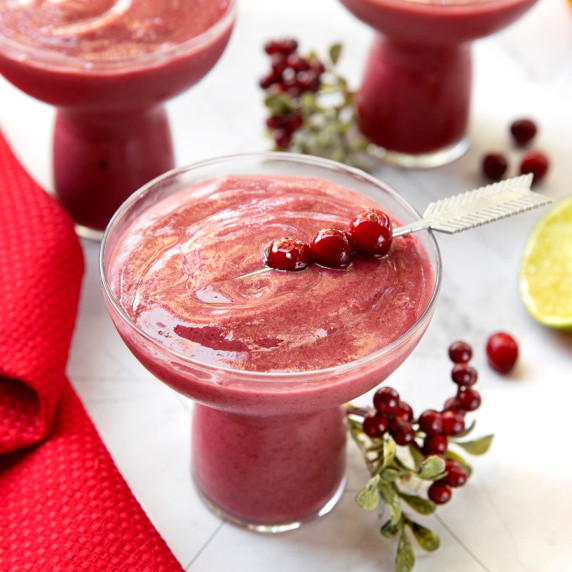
63, 504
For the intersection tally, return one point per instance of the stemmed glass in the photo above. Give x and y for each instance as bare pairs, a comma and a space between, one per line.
414, 100
112, 132
268, 448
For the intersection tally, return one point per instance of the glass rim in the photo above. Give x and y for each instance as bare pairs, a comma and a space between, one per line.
275, 376
60, 61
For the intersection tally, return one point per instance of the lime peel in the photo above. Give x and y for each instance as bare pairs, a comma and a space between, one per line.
546, 270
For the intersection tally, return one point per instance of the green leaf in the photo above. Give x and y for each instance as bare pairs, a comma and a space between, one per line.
391, 497
335, 52
419, 504
427, 539
390, 474
405, 559
390, 529
431, 468
368, 497
417, 455
478, 446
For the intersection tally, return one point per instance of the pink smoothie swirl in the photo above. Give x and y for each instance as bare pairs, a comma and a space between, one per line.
177, 273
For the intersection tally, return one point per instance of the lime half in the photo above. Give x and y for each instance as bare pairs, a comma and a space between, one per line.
546, 272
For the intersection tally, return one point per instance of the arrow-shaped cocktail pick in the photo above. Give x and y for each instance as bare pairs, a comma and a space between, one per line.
471, 209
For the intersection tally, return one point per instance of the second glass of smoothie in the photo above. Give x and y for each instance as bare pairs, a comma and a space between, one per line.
269, 359
108, 66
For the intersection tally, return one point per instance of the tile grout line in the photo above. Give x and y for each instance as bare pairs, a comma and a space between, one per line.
204, 546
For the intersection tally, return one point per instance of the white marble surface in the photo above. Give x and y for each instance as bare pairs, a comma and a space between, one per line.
516, 512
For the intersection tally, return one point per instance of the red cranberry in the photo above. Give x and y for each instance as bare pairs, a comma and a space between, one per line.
386, 401
523, 131
494, 166
535, 162
463, 374
282, 138
332, 248
456, 474
375, 425
401, 431
287, 254
404, 411
460, 352
430, 422
502, 351
439, 492
435, 444
469, 399
453, 423
284, 46
371, 232
452, 404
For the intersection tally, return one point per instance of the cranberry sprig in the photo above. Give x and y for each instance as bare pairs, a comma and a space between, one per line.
412, 460
310, 105
369, 233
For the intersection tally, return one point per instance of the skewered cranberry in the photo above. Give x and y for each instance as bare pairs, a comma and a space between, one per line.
287, 254
371, 232
332, 248
502, 351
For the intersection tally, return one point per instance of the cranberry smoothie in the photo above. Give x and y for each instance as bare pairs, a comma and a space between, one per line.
108, 66
416, 90
268, 430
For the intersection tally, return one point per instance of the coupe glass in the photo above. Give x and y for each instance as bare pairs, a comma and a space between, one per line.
415, 94
268, 449
111, 131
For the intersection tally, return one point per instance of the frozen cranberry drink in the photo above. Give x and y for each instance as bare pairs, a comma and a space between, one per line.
269, 357
108, 65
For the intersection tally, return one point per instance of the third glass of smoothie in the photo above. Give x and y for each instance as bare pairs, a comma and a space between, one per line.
414, 100
270, 358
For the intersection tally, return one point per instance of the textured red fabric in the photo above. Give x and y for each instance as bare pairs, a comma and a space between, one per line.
63, 504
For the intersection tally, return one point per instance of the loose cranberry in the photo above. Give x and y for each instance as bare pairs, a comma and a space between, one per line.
535, 162
386, 401
430, 422
288, 254
435, 444
463, 374
374, 425
523, 131
494, 166
460, 352
469, 399
401, 431
453, 423
502, 351
332, 248
456, 474
404, 411
439, 492
371, 232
